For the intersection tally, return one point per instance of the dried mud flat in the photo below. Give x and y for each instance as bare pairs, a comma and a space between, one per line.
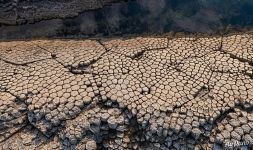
135, 93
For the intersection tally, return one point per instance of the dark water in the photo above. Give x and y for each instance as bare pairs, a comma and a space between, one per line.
143, 16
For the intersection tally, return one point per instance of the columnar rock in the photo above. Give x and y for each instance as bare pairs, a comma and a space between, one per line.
135, 93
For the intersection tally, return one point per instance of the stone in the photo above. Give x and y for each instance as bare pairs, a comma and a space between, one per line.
91, 145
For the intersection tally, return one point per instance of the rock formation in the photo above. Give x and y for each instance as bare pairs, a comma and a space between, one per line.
29, 19
14, 12
135, 93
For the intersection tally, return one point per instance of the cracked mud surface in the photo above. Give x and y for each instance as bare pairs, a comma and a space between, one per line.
136, 93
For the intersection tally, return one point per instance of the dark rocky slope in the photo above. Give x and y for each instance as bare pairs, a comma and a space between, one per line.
70, 18
13, 12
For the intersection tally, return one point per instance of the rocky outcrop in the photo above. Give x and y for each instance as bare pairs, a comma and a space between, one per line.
72, 18
14, 12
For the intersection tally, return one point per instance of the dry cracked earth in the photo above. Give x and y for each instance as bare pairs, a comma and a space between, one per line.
135, 93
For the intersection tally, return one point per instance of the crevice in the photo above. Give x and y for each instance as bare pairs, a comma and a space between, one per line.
108, 104
238, 58
26, 63
82, 68
53, 56
102, 44
220, 49
23, 64
251, 63
155, 49
12, 134
12, 63
201, 91
138, 55
233, 73
188, 58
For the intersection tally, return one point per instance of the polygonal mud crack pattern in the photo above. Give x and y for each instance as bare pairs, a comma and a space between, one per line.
76, 55
239, 46
153, 43
130, 47
22, 52
112, 63
136, 93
